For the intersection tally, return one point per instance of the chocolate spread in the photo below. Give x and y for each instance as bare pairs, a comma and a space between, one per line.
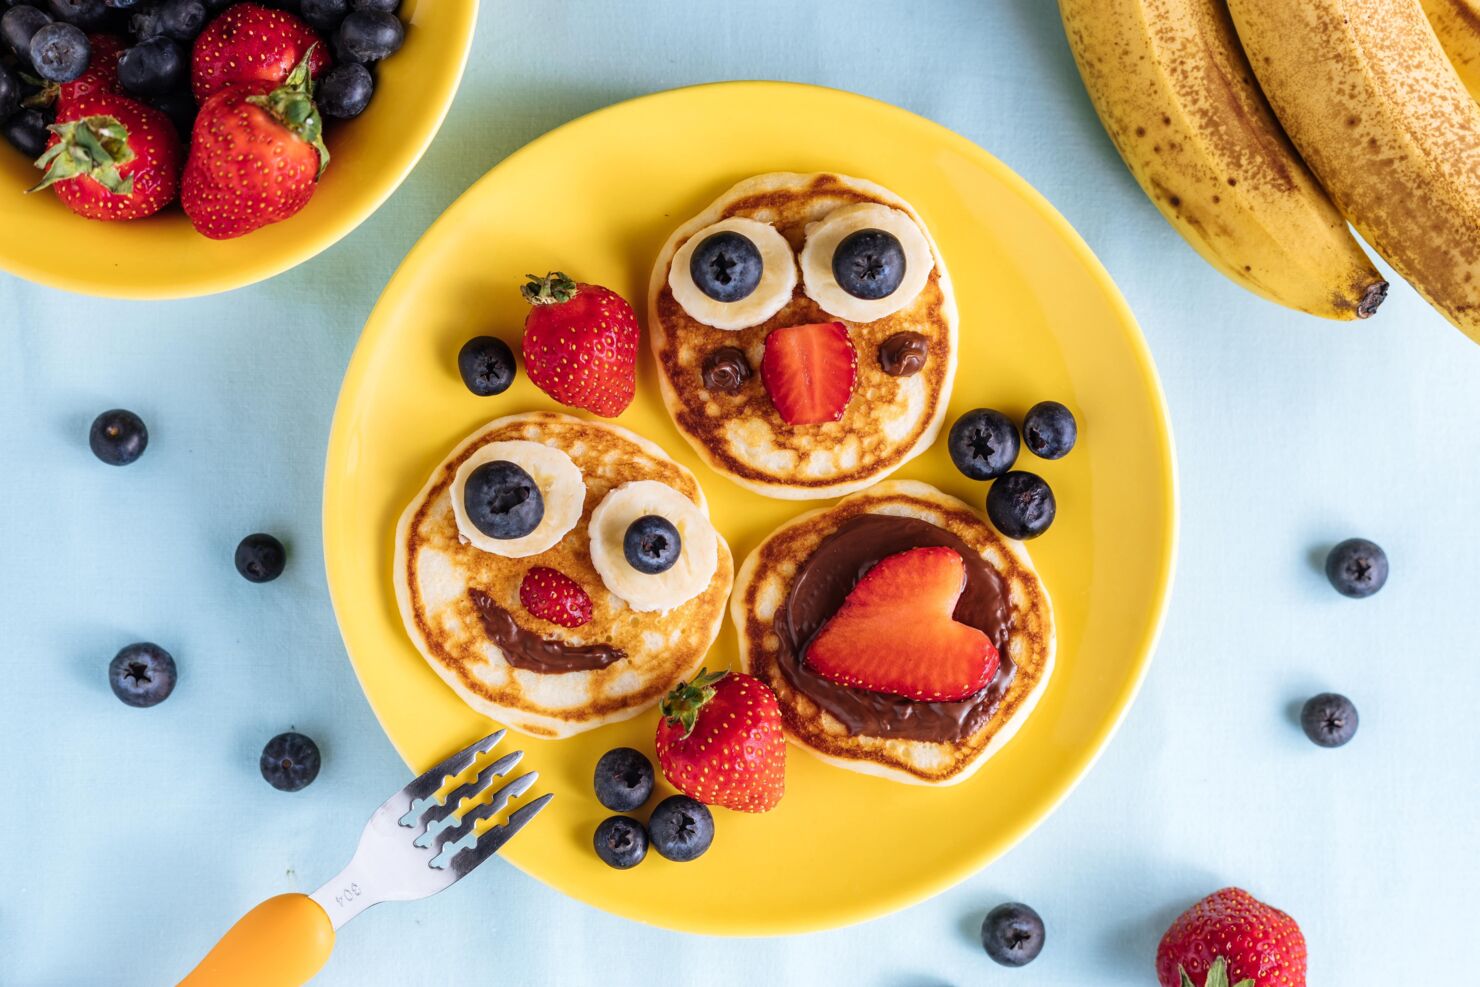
903, 354
526, 650
824, 582
726, 369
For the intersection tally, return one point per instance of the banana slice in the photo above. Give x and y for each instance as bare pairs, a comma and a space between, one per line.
778, 277
664, 590
823, 239
561, 486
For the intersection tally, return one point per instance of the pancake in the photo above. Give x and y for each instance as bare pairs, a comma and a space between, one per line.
448, 590
889, 419
930, 743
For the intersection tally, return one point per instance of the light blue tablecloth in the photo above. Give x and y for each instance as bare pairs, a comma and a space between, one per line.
133, 838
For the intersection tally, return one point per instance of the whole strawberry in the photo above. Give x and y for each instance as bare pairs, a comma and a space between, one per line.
720, 741
580, 344
1259, 946
111, 158
252, 43
101, 74
255, 156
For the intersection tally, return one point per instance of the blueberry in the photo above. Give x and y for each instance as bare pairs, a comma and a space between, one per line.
10, 93
726, 266
142, 674
983, 444
503, 501
27, 133
343, 93
1049, 430
485, 362
145, 23
383, 6
652, 544
181, 20
152, 68
1021, 504
369, 36
179, 106
869, 264
19, 25
1329, 719
621, 842
290, 762
1357, 568
1012, 934
118, 437
325, 15
624, 779
90, 15
260, 558
59, 52
680, 828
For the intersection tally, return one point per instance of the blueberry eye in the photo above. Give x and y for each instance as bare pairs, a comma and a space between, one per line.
726, 266
869, 264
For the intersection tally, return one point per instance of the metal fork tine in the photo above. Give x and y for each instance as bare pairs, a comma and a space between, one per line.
456, 764
490, 842
440, 820
488, 810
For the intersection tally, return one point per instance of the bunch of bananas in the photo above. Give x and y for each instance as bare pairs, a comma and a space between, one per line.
1261, 128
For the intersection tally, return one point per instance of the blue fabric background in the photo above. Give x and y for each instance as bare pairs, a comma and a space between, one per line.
133, 838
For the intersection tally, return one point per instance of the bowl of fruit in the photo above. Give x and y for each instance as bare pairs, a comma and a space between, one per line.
168, 148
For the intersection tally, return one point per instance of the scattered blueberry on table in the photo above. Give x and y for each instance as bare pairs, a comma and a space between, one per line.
983, 444
1021, 505
1357, 568
1049, 430
118, 437
485, 363
1012, 934
290, 762
624, 779
621, 842
1329, 719
260, 558
680, 828
142, 674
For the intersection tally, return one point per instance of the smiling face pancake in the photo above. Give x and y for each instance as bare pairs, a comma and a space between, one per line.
888, 420
798, 577
458, 601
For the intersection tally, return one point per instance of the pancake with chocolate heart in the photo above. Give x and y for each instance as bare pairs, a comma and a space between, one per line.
798, 578
459, 590
774, 252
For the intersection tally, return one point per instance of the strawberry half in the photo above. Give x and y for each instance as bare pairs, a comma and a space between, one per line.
1232, 936
809, 372
252, 43
720, 742
580, 344
895, 632
256, 154
552, 595
111, 158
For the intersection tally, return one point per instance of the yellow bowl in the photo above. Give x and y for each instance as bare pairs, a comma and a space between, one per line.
1040, 319
163, 256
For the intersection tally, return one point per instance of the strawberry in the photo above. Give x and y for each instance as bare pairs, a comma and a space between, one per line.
552, 595
720, 741
1231, 935
809, 372
111, 157
895, 632
101, 75
580, 344
255, 156
252, 43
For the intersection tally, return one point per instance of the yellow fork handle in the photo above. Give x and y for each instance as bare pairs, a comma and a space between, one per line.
282, 942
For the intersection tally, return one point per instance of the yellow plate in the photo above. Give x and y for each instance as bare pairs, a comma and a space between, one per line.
163, 256
1040, 319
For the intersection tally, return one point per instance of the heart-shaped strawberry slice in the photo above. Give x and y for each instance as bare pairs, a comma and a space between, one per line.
895, 632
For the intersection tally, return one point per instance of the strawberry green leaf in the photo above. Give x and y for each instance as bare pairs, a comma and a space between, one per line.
292, 105
682, 705
95, 146
548, 290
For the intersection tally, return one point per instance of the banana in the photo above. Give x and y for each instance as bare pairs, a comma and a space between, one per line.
1457, 23
561, 488
823, 238
1367, 95
698, 554
1175, 92
769, 296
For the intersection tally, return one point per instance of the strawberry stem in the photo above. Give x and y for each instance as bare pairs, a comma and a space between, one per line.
95, 146
553, 288
1217, 976
682, 705
292, 105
